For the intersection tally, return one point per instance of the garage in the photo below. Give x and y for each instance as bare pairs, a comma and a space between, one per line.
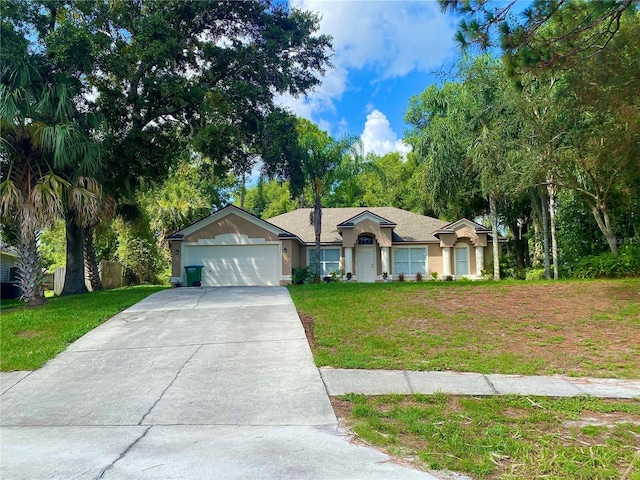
235, 265
234, 248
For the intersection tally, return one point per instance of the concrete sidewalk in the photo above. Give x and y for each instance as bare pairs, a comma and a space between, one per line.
380, 382
189, 383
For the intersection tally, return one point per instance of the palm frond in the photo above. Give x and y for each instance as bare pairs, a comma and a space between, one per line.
84, 200
9, 198
46, 196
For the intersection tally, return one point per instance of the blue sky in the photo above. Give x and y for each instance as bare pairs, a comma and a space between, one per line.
385, 52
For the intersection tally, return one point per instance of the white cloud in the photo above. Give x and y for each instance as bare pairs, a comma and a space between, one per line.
389, 38
392, 37
379, 138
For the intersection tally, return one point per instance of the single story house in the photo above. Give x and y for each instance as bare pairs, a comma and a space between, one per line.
9, 258
235, 247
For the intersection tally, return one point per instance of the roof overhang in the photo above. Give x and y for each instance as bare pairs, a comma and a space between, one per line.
9, 253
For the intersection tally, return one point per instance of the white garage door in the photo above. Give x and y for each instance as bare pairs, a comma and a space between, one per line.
230, 265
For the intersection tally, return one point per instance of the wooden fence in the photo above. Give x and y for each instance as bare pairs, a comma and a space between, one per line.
110, 274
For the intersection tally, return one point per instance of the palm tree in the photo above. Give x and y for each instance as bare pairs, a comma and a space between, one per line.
38, 139
321, 161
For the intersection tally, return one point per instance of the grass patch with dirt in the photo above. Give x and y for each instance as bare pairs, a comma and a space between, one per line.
30, 336
502, 437
576, 328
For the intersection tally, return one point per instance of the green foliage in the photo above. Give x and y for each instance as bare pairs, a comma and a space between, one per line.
31, 337
268, 199
578, 235
139, 253
53, 246
534, 274
545, 35
190, 192
607, 265
302, 275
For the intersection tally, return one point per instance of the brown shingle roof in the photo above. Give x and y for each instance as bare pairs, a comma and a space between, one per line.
411, 227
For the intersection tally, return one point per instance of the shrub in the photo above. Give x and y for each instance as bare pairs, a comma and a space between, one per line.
606, 265
336, 275
401, 277
418, 277
138, 252
301, 275
535, 274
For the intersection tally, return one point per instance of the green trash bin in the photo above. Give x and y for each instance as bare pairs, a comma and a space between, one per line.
194, 275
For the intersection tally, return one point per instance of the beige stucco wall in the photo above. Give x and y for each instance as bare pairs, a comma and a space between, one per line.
448, 239
175, 258
434, 258
288, 256
231, 224
350, 235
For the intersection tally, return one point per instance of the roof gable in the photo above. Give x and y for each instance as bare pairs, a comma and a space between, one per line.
367, 215
224, 212
462, 223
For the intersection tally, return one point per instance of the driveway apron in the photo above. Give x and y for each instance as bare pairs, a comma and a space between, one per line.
188, 384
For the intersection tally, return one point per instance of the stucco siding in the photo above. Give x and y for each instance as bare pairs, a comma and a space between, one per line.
288, 256
231, 224
175, 247
434, 258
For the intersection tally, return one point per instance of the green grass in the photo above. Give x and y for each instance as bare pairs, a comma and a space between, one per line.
504, 437
29, 337
576, 328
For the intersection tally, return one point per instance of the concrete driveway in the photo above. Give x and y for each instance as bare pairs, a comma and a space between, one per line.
187, 384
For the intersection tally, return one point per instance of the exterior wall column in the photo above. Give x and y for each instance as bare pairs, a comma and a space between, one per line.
446, 261
479, 260
348, 260
384, 252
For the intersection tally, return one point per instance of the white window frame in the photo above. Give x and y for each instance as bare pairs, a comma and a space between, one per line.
468, 260
324, 271
410, 262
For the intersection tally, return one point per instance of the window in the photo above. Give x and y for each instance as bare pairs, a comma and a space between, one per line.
329, 260
410, 260
365, 240
462, 260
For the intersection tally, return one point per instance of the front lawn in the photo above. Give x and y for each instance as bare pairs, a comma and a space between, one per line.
577, 328
29, 337
503, 437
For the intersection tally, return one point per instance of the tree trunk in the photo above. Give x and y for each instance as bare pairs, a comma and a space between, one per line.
493, 213
317, 227
74, 275
29, 265
524, 233
518, 245
243, 190
545, 233
551, 189
538, 254
601, 214
92, 262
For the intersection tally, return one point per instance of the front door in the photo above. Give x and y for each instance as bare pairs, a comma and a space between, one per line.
366, 263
